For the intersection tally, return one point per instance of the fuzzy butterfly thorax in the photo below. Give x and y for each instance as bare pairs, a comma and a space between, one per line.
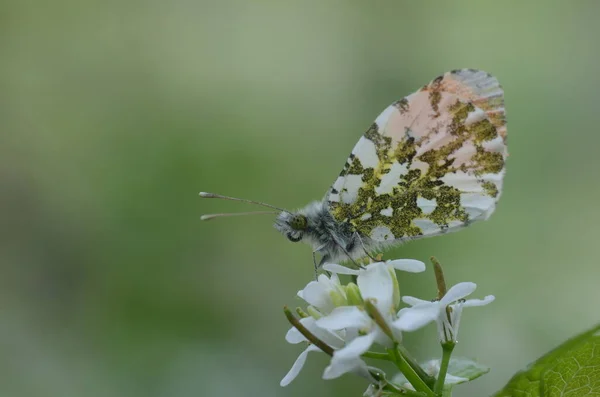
332, 239
431, 163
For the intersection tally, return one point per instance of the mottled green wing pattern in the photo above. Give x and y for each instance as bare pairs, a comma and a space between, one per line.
432, 162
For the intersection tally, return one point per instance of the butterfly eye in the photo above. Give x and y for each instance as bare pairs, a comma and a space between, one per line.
294, 238
298, 222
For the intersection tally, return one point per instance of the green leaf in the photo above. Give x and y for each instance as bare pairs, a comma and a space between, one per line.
466, 368
572, 369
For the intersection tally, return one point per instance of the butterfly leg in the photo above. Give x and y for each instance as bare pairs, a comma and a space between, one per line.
323, 260
317, 265
357, 265
364, 248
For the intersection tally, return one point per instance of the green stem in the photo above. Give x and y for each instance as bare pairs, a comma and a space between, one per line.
306, 333
447, 348
429, 380
372, 311
410, 374
393, 388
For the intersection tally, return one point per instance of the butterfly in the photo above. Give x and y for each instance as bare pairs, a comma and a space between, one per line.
431, 163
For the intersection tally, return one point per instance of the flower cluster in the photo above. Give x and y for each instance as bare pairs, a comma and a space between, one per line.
365, 319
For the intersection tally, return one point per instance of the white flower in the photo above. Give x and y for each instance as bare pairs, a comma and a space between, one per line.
294, 336
407, 265
446, 312
375, 284
349, 330
324, 294
333, 339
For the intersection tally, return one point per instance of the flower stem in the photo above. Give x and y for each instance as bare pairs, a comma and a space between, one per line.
378, 318
410, 374
306, 333
447, 348
429, 380
393, 388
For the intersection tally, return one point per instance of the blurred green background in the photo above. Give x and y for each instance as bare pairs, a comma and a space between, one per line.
115, 114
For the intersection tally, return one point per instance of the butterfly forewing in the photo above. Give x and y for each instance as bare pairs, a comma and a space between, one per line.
479, 88
432, 162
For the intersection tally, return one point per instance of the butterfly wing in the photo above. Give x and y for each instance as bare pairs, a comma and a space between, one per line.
431, 163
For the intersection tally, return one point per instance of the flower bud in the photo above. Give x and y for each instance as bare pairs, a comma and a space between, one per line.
338, 298
396, 292
314, 312
353, 294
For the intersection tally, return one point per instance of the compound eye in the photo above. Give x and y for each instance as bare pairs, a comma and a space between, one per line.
298, 222
294, 238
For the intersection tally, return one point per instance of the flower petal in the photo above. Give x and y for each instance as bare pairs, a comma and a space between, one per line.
355, 348
316, 294
376, 283
294, 336
407, 265
297, 366
339, 269
479, 302
329, 337
411, 300
457, 292
334, 279
344, 317
382, 339
411, 319
339, 367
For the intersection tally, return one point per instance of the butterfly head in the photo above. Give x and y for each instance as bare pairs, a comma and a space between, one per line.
292, 225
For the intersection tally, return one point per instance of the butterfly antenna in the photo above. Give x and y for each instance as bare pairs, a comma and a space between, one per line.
213, 195
213, 216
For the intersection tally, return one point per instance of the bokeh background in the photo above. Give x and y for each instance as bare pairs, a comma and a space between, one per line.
115, 114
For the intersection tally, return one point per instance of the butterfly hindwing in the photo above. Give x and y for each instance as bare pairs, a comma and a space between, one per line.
431, 163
